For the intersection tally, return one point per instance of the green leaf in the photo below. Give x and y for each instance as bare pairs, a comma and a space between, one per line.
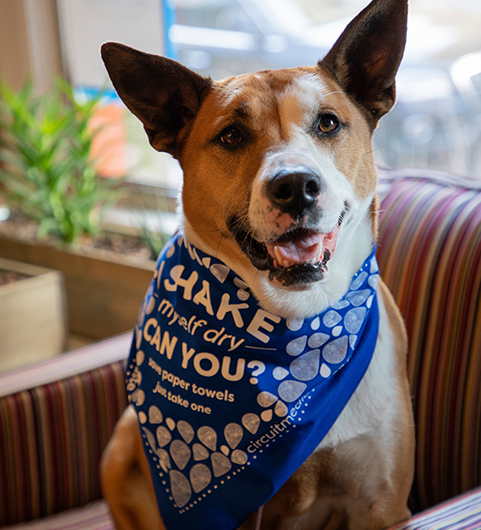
46, 146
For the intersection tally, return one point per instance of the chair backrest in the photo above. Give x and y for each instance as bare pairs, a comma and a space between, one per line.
429, 253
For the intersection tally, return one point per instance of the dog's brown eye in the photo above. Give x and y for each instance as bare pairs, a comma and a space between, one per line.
328, 123
231, 136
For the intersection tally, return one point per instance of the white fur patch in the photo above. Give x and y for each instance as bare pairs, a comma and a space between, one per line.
299, 103
372, 409
353, 246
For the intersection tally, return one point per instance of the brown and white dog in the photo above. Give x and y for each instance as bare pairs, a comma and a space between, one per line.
280, 183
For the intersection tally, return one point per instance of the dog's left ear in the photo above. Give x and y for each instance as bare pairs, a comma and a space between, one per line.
366, 57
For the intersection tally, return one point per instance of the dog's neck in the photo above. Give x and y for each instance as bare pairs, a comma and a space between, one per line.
356, 240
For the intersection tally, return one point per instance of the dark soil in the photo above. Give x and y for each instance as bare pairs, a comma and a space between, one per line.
7, 277
119, 245
22, 228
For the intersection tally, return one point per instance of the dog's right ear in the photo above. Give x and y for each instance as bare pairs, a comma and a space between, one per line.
366, 57
162, 93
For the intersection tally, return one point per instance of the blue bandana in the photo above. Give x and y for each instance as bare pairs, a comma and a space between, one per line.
232, 399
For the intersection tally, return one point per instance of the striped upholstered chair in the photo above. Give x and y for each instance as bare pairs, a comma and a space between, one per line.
56, 417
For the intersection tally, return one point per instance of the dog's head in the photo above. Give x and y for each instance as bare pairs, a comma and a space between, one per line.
278, 167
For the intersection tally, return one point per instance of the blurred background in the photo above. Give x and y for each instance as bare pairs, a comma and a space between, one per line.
436, 122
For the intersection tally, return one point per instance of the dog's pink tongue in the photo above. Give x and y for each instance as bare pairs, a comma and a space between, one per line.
302, 248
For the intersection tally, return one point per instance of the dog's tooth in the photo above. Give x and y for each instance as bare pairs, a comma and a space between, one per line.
278, 254
319, 251
286, 264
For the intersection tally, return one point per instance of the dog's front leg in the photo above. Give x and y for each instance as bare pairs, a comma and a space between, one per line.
307, 501
376, 499
126, 483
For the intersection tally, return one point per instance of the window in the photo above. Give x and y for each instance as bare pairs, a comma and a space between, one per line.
436, 122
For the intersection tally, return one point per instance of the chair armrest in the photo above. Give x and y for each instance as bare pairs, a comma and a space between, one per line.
56, 417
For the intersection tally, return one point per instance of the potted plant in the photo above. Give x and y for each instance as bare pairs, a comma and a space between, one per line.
49, 177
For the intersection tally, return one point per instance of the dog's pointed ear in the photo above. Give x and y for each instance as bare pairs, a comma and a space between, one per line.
366, 57
162, 93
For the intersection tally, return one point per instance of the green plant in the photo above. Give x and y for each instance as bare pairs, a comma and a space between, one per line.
47, 169
154, 240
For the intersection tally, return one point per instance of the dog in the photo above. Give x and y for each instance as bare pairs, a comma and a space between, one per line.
280, 188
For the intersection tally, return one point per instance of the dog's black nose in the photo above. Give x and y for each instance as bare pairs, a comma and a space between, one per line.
294, 190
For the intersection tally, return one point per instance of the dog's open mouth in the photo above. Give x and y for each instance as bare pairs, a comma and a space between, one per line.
300, 256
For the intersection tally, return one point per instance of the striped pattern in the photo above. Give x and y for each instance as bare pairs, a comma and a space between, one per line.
430, 257
53, 434
94, 516
461, 513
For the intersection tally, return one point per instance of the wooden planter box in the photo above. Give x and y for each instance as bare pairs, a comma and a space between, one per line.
104, 292
33, 323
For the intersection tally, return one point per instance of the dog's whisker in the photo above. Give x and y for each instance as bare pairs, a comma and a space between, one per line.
334, 92
216, 231
378, 148
219, 245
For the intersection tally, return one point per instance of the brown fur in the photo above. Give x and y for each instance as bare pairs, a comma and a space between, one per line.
124, 459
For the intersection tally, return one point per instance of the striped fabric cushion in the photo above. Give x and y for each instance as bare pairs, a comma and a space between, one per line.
93, 516
54, 427
430, 257
460, 513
